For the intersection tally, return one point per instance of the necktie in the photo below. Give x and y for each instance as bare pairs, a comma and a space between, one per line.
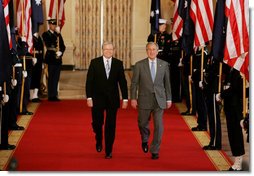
153, 70
107, 68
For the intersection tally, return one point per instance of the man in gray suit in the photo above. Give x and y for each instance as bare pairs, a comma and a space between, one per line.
151, 94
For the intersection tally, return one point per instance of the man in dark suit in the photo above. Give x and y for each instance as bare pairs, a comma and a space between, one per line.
151, 94
104, 75
53, 57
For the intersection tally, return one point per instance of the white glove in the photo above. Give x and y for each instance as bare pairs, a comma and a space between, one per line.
24, 73
200, 84
42, 66
185, 4
0, 88
59, 53
58, 29
180, 63
5, 98
36, 34
226, 87
218, 98
34, 59
13, 82
23, 39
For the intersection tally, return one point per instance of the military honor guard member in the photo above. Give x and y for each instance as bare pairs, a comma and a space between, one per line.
53, 57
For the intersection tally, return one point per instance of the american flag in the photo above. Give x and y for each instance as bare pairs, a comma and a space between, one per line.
177, 26
7, 20
237, 35
57, 6
24, 23
202, 15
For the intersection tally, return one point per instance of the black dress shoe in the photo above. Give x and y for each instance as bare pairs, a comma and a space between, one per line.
53, 99
36, 100
155, 156
17, 128
26, 113
198, 129
211, 147
7, 147
108, 156
145, 147
187, 113
98, 147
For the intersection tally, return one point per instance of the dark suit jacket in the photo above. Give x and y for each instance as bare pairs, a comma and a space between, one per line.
103, 91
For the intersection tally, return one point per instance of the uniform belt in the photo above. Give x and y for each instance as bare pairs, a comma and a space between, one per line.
38, 52
51, 49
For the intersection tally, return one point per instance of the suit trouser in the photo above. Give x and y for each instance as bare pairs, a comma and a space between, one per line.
214, 120
201, 108
53, 79
235, 134
143, 124
109, 129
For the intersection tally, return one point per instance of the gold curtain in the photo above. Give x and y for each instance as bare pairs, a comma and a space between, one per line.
117, 27
88, 27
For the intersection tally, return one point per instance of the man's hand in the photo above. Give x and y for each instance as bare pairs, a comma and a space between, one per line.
217, 97
134, 103
34, 60
59, 53
200, 84
58, 29
125, 105
5, 98
13, 82
24, 74
169, 104
89, 103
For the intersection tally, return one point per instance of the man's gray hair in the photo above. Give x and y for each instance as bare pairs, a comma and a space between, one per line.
107, 43
152, 43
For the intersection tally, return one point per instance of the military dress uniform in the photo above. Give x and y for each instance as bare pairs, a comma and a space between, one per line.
174, 56
200, 99
233, 103
210, 87
37, 69
22, 50
54, 43
190, 103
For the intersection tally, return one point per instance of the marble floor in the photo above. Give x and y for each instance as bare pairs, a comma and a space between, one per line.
72, 86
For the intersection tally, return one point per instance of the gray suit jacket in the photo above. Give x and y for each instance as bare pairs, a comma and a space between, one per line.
143, 88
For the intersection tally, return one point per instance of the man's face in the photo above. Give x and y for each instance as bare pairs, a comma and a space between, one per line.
52, 27
108, 50
162, 28
152, 51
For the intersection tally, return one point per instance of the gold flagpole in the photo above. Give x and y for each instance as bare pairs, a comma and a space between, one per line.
24, 60
57, 23
202, 65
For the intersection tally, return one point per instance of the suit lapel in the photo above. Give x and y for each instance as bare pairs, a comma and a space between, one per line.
102, 67
159, 70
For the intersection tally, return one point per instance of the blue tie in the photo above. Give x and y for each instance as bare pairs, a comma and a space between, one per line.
153, 70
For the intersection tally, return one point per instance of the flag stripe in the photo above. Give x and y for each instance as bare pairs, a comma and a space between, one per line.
7, 21
202, 15
53, 10
236, 53
177, 26
25, 25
